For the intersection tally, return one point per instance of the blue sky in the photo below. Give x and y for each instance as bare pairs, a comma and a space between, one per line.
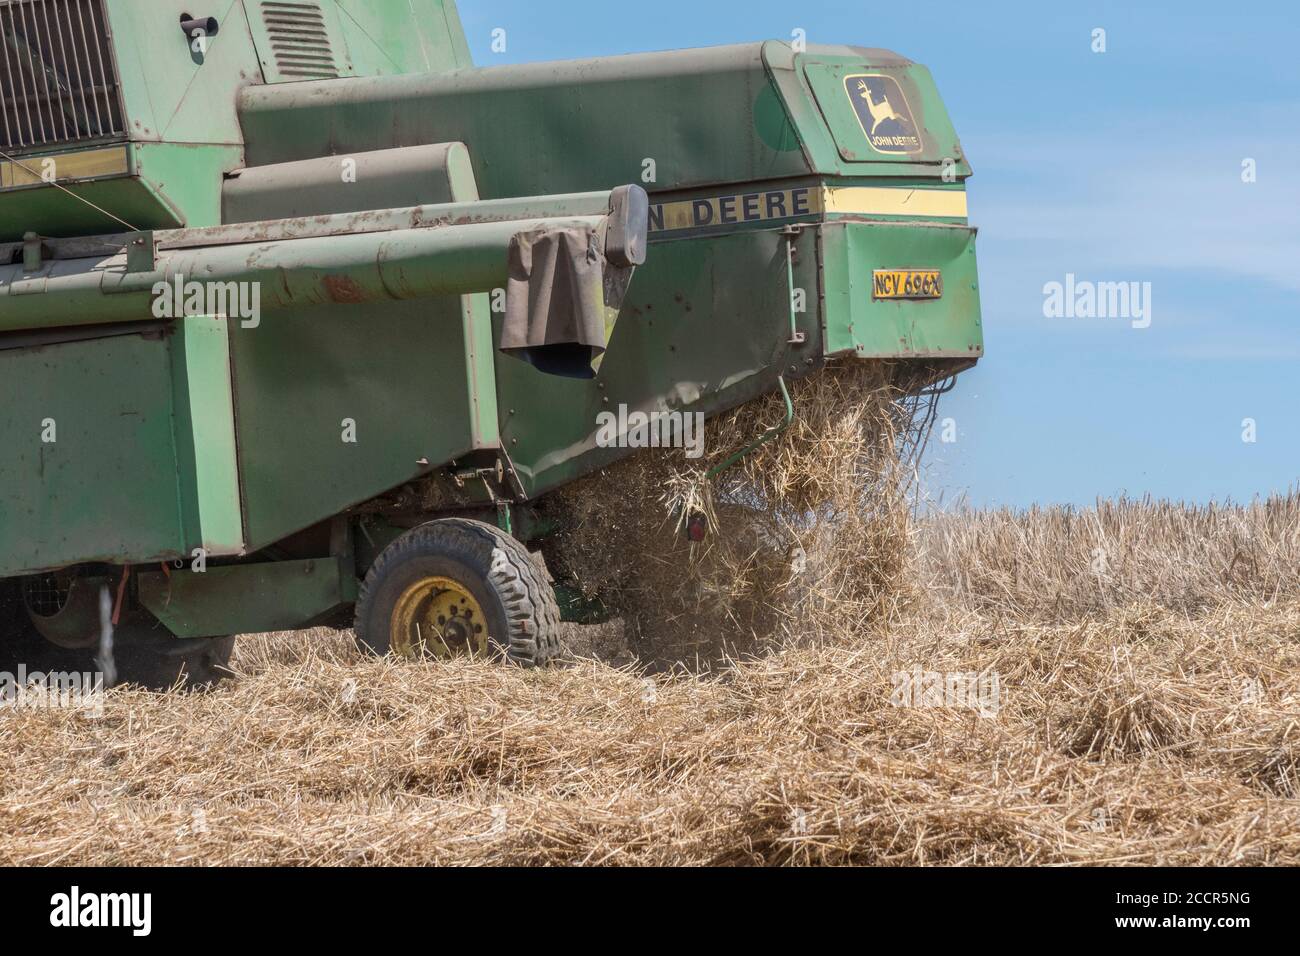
1119, 166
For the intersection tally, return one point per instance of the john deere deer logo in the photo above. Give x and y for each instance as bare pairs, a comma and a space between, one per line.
884, 113
879, 111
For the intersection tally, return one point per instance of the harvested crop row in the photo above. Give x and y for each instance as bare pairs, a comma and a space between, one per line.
1144, 737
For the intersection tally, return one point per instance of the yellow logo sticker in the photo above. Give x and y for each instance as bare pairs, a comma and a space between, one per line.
884, 113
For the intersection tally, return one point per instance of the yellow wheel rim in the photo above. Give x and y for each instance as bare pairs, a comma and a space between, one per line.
438, 617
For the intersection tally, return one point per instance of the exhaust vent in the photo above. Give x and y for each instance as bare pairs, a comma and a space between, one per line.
300, 40
58, 80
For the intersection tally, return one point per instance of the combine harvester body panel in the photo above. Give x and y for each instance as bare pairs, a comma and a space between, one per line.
258, 278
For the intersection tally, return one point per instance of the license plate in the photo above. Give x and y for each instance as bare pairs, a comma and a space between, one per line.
906, 284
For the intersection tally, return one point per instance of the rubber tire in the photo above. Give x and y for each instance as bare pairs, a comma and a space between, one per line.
145, 653
523, 618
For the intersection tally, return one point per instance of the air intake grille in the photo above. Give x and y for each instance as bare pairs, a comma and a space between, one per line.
300, 41
58, 82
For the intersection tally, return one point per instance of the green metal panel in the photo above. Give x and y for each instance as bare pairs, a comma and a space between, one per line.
180, 114
355, 37
245, 599
397, 370
166, 186
945, 327
55, 214
206, 461
143, 462
180, 110
690, 335
180, 106
179, 178
172, 94
416, 36
480, 370
793, 75
912, 95
719, 115
297, 40
105, 489
592, 122
365, 331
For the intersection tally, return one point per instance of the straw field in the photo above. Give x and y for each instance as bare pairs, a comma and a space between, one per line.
1114, 685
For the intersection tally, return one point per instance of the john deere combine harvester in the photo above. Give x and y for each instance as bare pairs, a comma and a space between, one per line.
302, 315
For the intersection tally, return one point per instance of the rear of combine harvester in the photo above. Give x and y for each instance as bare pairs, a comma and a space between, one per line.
257, 371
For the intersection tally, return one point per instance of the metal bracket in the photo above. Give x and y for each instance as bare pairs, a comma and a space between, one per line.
33, 252
504, 515
512, 477
142, 253
489, 476
791, 233
764, 438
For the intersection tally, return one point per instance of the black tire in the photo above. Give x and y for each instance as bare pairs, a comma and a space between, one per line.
523, 620
145, 653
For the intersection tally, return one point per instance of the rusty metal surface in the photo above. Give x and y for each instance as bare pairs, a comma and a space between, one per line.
435, 258
323, 226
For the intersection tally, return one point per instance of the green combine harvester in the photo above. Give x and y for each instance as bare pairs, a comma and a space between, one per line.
303, 315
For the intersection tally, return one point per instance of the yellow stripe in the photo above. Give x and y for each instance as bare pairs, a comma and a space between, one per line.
784, 204
87, 164
892, 201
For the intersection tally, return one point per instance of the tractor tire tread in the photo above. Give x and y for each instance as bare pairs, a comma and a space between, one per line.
532, 615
